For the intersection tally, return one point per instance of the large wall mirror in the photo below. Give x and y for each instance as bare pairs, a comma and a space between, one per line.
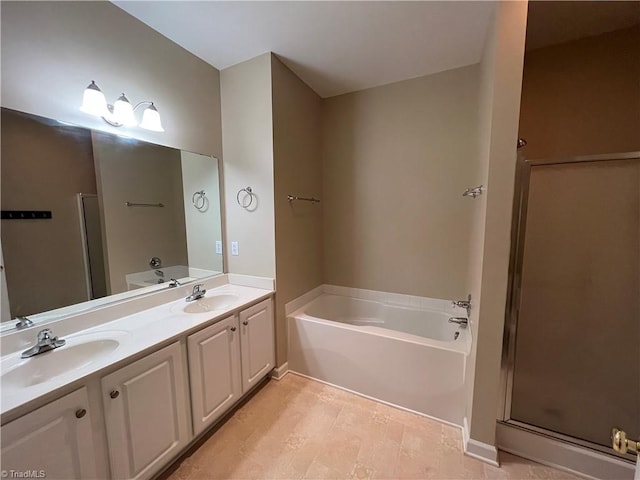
90, 217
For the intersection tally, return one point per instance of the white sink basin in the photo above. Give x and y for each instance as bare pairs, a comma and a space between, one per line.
45, 366
208, 304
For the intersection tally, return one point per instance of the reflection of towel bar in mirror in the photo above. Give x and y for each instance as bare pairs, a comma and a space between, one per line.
291, 198
131, 204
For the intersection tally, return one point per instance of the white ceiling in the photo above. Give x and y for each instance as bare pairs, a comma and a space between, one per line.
335, 47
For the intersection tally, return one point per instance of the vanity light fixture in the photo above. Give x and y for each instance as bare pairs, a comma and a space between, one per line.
121, 113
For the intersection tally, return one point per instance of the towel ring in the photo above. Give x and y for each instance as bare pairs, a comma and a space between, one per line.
199, 200
247, 193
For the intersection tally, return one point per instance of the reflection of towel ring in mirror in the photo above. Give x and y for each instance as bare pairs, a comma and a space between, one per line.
200, 201
247, 193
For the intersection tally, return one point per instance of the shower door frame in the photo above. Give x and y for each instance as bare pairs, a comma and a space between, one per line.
518, 230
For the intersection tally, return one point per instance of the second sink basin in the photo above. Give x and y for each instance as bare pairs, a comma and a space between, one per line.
209, 304
45, 366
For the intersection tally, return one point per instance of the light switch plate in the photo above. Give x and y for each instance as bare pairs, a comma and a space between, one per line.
219, 247
234, 248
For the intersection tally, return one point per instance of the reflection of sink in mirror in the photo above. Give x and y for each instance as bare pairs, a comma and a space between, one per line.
208, 304
75, 355
159, 276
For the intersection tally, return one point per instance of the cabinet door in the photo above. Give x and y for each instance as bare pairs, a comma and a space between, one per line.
214, 371
53, 441
146, 413
257, 343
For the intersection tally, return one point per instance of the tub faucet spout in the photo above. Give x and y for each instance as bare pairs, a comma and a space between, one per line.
463, 322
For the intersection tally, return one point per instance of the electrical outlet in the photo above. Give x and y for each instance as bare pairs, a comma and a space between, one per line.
219, 247
234, 248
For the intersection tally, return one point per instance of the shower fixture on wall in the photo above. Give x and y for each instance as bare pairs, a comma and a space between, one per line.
121, 113
473, 192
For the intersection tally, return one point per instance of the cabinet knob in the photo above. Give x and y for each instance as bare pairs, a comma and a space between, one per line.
114, 394
233, 329
245, 323
81, 413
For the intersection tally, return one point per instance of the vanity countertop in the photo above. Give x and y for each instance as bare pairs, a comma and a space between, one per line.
88, 352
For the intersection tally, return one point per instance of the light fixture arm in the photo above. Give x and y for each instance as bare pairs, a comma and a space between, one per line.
111, 122
139, 104
115, 123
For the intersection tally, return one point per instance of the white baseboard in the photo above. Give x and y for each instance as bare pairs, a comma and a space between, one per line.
562, 455
280, 372
481, 451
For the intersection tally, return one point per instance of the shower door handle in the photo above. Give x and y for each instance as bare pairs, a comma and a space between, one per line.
622, 444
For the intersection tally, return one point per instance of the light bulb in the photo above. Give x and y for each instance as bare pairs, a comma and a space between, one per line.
93, 101
151, 119
123, 112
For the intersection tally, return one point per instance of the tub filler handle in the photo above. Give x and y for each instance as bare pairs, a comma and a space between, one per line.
466, 304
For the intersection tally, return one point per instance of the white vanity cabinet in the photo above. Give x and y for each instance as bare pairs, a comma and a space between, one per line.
214, 371
54, 441
257, 343
149, 410
146, 413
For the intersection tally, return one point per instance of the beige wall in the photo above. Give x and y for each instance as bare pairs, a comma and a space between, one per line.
297, 171
247, 132
396, 160
501, 76
583, 97
44, 166
52, 50
138, 172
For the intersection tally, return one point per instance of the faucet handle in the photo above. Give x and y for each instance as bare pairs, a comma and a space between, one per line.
23, 322
197, 288
45, 334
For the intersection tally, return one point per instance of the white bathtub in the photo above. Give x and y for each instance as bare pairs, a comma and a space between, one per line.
404, 355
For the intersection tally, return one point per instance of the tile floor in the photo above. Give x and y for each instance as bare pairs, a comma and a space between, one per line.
297, 428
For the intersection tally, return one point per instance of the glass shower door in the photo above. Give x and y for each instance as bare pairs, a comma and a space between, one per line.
576, 360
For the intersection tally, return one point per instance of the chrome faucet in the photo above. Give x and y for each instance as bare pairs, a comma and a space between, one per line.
463, 322
174, 283
466, 304
197, 294
46, 341
23, 322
